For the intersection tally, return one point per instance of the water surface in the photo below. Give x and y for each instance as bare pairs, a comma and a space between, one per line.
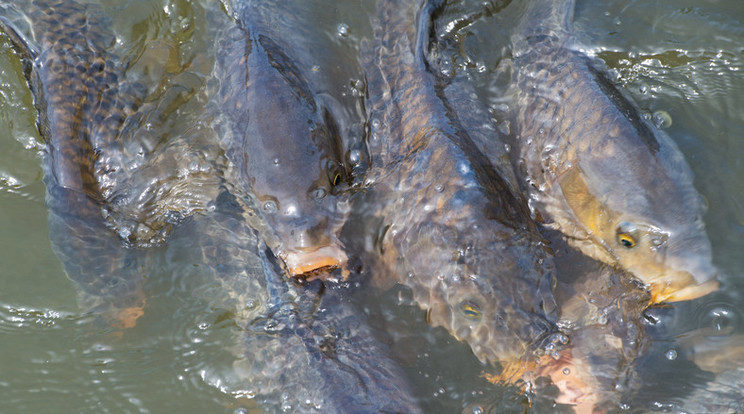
682, 61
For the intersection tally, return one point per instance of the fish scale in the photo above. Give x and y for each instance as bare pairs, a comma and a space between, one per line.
303, 346
67, 74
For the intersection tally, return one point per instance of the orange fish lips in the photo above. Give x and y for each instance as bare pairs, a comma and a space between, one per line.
315, 263
661, 292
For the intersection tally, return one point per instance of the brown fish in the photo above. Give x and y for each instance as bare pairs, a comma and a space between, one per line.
304, 347
616, 186
445, 223
74, 82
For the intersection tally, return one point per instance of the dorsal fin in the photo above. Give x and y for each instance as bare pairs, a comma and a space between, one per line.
22, 45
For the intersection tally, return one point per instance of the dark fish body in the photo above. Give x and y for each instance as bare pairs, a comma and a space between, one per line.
617, 187
303, 347
283, 135
601, 310
451, 228
112, 187
74, 82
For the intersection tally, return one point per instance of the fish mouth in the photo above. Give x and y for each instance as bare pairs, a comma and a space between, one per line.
315, 263
683, 279
665, 292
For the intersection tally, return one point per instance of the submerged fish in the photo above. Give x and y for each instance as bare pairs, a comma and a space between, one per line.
283, 137
445, 223
617, 187
86, 106
601, 310
299, 347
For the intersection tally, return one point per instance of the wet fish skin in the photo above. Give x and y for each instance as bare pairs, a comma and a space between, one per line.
451, 229
284, 138
74, 82
601, 309
616, 186
90, 108
295, 342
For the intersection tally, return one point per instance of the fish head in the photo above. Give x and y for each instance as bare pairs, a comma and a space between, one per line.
300, 175
674, 260
654, 232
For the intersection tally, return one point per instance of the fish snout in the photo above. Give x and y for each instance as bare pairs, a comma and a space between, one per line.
308, 251
307, 263
688, 276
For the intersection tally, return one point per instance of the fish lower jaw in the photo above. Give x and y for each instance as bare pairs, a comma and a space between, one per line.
315, 264
669, 292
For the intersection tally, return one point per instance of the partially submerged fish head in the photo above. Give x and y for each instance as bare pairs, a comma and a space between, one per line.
300, 181
655, 233
675, 261
307, 210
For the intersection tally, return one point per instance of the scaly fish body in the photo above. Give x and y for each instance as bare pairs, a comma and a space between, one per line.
283, 138
452, 229
617, 187
299, 346
74, 82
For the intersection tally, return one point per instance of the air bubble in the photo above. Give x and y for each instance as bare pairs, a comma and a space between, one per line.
342, 30
671, 354
447, 69
355, 156
662, 119
719, 319
270, 207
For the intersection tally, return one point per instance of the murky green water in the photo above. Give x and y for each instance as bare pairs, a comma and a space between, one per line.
681, 57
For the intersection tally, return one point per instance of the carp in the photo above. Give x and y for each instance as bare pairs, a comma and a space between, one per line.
325, 350
99, 174
596, 170
444, 222
298, 345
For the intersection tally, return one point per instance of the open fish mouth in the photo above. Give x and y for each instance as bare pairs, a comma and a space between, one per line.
316, 263
661, 292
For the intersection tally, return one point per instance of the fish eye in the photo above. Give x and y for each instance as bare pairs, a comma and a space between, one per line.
335, 173
470, 310
627, 235
626, 240
336, 179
